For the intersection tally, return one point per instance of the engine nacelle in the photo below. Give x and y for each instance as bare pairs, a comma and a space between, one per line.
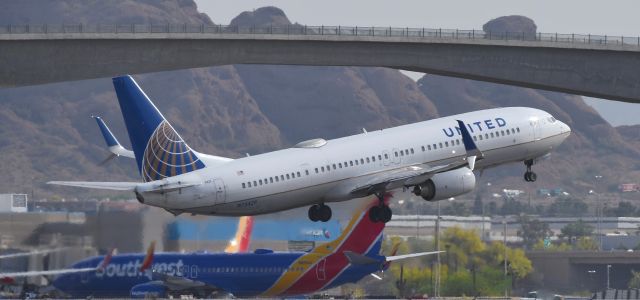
446, 185
149, 290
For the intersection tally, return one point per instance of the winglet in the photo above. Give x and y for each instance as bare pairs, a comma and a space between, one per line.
112, 143
109, 138
470, 147
148, 259
107, 259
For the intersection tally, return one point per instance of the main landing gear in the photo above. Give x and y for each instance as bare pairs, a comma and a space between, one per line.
380, 212
529, 176
319, 212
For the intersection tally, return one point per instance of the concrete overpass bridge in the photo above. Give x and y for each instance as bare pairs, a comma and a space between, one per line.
598, 66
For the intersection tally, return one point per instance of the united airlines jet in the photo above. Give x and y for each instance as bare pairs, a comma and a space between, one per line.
434, 159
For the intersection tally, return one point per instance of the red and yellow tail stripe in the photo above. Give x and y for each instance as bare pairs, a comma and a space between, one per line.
302, 277
241, 241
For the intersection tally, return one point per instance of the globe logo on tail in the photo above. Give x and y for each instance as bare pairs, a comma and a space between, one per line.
167, 155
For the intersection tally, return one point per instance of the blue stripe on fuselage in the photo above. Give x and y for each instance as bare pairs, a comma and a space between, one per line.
243, 275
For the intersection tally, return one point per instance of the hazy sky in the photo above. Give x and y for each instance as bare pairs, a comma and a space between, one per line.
619, 17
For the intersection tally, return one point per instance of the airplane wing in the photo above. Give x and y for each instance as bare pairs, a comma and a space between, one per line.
414, 175
32, 253
405, 256
118, 186
100, 266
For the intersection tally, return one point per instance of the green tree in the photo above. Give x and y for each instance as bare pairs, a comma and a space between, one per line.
624, 209
586, 243
532, 230
634, 282
575, 230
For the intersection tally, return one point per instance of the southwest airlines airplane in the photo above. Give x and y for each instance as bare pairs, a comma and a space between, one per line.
434, 159
264, 273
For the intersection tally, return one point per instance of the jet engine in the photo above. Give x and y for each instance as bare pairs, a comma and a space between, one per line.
446, 185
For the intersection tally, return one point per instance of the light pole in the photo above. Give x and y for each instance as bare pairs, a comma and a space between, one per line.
592, 274
608, 272
504, 237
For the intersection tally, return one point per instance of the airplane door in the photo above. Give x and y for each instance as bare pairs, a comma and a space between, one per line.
537, 129
320, 270
395, 158
194, 271
221, 193
386, 158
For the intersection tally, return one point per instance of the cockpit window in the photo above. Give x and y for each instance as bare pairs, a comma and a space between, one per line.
551, 119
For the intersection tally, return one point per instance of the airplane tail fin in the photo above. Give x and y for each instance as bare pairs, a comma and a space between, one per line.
240, 242
159, 150
148, 259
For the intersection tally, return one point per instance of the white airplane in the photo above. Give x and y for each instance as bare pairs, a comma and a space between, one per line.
434, 159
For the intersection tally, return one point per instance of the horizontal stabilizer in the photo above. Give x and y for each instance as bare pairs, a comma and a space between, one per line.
405, 256
117, 186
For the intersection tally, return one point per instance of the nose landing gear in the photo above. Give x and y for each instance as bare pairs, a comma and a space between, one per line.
320, 212
529, 176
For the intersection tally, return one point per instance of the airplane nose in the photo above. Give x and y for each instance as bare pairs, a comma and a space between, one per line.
565, 128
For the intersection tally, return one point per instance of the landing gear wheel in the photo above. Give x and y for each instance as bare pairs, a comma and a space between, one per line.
529, 176
324, 213
385, 214
314, 213
320, 212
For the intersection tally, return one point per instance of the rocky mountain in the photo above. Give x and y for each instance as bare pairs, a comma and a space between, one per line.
46, 132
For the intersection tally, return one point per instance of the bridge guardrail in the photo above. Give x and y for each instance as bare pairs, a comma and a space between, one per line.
296, 29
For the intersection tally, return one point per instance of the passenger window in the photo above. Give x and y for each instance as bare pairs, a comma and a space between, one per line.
368, 161
373, 158
492, 135
446, 144
351, 163
480, 136
508, 132
322, 168
458, 142
396, 154
386, 156
401, 152
277, 179
255, 183
293, 175
362, 161
260, 181
288, 177
340, 165
346, 164
270, 179
429, 147
440, 145
518, 129
379, 157
282, 177
334, 166
243, 185
298, 173
306, 172
316, 170
411, 150
422, 148
328, 168
503, 133
486, 136
513, 131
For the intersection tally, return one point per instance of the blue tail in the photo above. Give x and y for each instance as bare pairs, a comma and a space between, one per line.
109, 138
160, 151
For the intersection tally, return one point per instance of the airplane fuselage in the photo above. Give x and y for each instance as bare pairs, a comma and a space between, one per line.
325, 171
